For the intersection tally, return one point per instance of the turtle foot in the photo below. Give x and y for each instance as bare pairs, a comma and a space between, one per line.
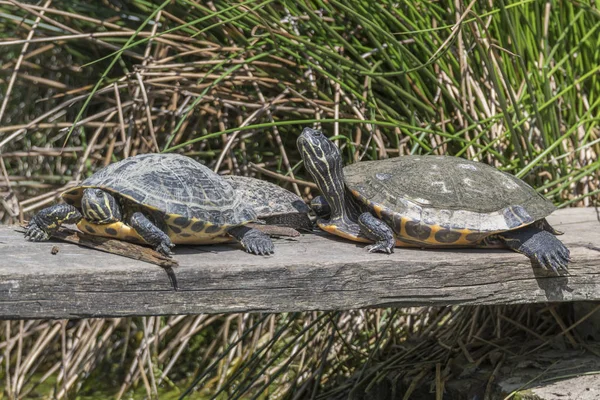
380, 247
378, 231
164, 248
35, 233
556, 258
253, 240
258, 243
541, 246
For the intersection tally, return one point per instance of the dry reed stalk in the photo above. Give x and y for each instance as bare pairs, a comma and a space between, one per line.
279, 176
246, 122
182, 341
13, 76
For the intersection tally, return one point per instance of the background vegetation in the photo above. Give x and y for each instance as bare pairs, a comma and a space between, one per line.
514, 84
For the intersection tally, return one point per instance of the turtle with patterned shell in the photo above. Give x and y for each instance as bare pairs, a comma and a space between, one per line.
274, 205
157, 199
429, 201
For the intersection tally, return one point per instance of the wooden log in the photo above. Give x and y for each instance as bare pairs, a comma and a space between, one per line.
311, 272
109, 245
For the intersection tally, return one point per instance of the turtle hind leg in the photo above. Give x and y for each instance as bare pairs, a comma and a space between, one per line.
49, 219
378, 231
539, 245
151, 233
253, 240
545, 226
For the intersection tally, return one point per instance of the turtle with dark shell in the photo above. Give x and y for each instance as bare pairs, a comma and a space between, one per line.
273, 204
429, 201
157, 199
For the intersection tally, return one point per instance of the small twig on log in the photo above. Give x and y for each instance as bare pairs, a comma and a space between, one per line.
118, 247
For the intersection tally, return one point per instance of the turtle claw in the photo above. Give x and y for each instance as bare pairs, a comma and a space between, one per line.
258, 243
35, 233
555, 260
377, 230
380, 247
540, 246
262, 246
258, 251
165, 248
253, 240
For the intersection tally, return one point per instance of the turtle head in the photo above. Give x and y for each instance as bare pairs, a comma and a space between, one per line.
316, 147
100, 207
322, 159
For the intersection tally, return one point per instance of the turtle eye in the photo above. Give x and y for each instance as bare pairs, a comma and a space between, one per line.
99, 192
318, 133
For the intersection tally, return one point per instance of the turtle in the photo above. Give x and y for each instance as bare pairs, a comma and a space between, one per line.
273, 204
429, 201
157, 199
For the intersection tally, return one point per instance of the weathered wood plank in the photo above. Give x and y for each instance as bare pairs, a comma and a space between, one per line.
313, 272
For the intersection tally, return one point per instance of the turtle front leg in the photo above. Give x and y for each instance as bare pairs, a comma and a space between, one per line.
253, 240
153, 235
48, 220
378, 231
539, 245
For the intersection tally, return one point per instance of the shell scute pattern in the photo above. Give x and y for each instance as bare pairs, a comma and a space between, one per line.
516, 216
195, 205
173, 184
460, 201
273, 204
266, 197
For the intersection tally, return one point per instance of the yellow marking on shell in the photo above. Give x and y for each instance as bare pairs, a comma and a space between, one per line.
378, 209
123, 231
178, 239
335, 230
401, 243
403, 222
409, 241
201, 237
128, 234
463, 238
431, 239
433, 242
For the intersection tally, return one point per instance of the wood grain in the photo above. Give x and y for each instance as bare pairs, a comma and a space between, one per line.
311, 272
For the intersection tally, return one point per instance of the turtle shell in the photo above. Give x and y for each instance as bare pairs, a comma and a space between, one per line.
273, 204
444, 200
195, 203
